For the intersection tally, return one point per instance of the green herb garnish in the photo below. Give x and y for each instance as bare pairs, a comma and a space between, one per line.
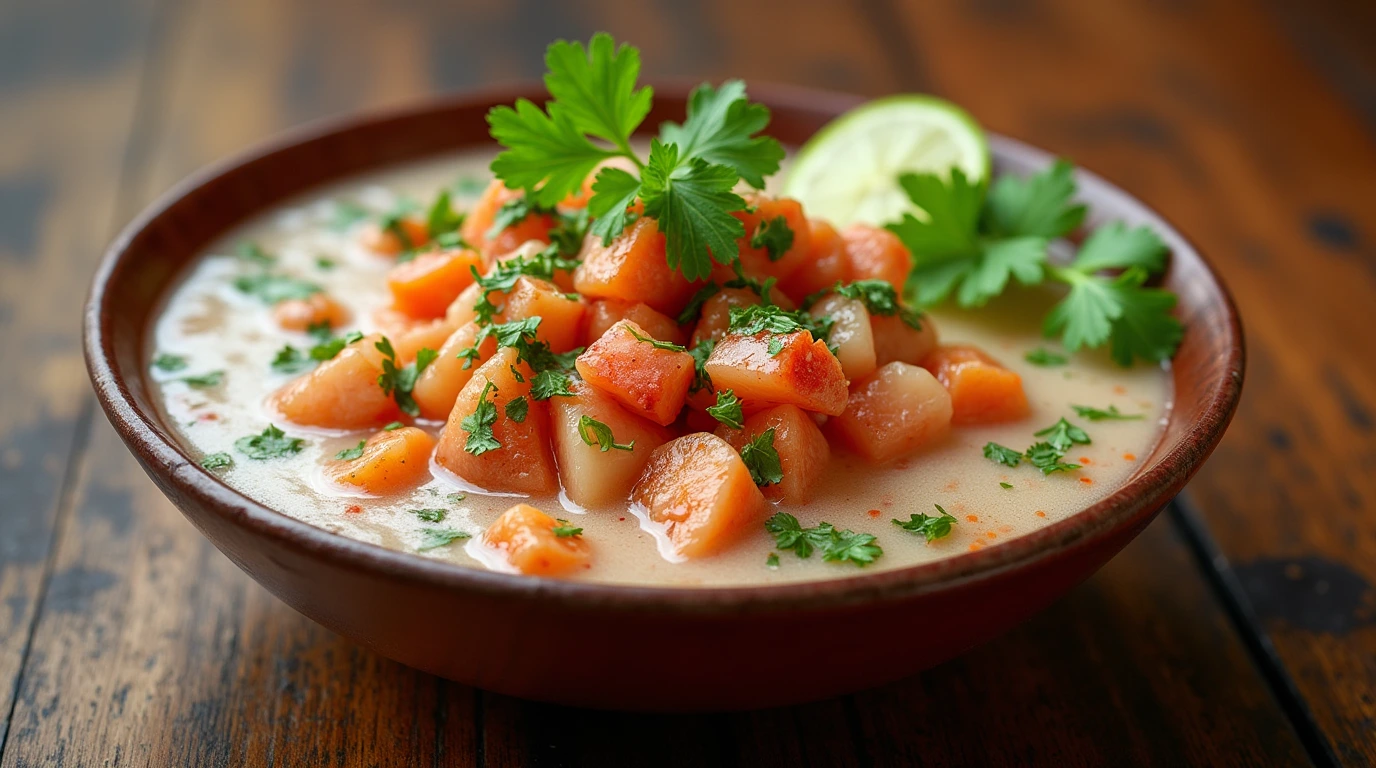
564, 530
273, 443
399, 381
762, 459
1045, 358
350, 454
215, 461
931, 527
594, 432
728, 410
478, 425
1002, 454
433, 538
835, 545
169, 363
1112, 414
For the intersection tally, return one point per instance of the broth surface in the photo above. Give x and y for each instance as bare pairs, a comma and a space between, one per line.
215, 327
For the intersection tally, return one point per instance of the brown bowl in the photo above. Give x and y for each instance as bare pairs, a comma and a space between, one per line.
623, 647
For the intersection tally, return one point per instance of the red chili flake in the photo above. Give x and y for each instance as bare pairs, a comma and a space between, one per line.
874, 513
353, 509
1087, 480
622, 519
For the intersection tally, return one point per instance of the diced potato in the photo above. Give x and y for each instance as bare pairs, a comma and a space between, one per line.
461, 311
484, 214
803, 372
698, 487
982, 391
425, 286
430, 335
802, 448
438, 385
301, 314
605, 313
899, 409
896, 340
387, 242
756, 262
651, 382
825, 265
526, 536
876, 253
342, 393
561, 324
590, 476
523, 463
716, 311
392, 461
633, 268
851, 334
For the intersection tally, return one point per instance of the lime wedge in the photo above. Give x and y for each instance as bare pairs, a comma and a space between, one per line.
848, 172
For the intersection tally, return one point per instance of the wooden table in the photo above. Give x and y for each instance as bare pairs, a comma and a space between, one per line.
1239, 629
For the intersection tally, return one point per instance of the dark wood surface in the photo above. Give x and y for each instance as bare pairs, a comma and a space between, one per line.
1239, 629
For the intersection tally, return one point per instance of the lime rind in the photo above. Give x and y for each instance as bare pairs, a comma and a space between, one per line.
848, 172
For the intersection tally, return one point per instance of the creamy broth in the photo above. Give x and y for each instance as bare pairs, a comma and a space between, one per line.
215, 327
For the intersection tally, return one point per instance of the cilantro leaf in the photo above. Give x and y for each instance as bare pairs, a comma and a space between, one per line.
350, 454
1098, 414
254, 254
1000, 454
594, 432
434, 538
762, 459
393, 426
931, 527
998, 260
728, 410
595, 87
517, 408
1063, 435
564, 530
1045, 358
943, 241
1005, 485
1119, 310
478, 425
169, 363
774, 236
772, 561
1038, 205
720, 128
273, 443
329, 348
692, 200
441, 219
213, 461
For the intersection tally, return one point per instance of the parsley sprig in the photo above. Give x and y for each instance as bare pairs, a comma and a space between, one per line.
930, 527
835, 545
398, 381
594, 432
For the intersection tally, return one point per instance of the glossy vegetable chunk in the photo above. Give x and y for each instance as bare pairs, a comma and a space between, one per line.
461, 311
851, 334
521, 462
438, 385
605, 313
528, 539
650, 381
591, 476
392, 461
316, 310
895, 340
700, 490
825, 265
802, 372
982, 391
716, 311
561, 324
425, 286
783, 235
478, 224
875, 253
428, 335
802, 448
342, 393
899, 409
633, 268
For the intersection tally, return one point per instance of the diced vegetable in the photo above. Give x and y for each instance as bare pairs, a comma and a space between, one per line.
484, 214
561, 325
699, 488
316, 310
438, 385
716, 311
649, 380
778, 239
342, 393
802, 371
982, 391
527, 537
591, 476
875, 253
425, 286
824, 266
802, 448
633, 268
851, 334
521, 462
461, 311
429, 335
896, 340
387, 243
899, 409
392, 461
605, 313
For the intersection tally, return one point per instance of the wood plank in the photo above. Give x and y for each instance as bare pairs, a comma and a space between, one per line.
69, 102
1207, 112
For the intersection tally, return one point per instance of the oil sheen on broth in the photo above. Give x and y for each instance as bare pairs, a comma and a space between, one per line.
215, 327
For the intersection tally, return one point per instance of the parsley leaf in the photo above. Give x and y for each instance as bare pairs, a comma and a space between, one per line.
215, 461
550, 383
274, 289
1037, 205
1045, 358
350, 454
701, 352
594, 432
441, 220
858, 548
290, 360
1135, 320
768, 318
721, 127
1005, 485
564, 530
169, 363
762, 460
430, 515
1000, 454
329, 348
517, 408
728, 410
656, 343
478, 425
692, 200
204, 380
1063, 435
545, 154
836, 546
273, 443
434, 538
880, 298
1112, 414
1114, 246
393, 426
614, 192
399, 381
931, 527
772, 561
1047, 458
694, 308
595, 87
774, 236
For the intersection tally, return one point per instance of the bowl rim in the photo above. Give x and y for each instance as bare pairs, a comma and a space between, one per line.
1133, 503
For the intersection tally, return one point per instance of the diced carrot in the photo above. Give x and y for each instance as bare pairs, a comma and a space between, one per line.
438, 385
526, 536
633, 268
700, 490
605, 313
650, 381
523, 463
590, 476
876, 253
301, 314
716, 311
561, 324
342, 393
851, 334
414, 234
803, 371
899, 409
430, 335
425, 286
756, 262
392, 461
483, 215
896, 340
802, 448
982, 391
825, 265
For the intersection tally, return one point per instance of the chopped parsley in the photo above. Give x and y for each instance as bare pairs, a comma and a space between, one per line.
442, 222
835, 545
324, 263
219, 460
656, 343
594, 432
1000, 454
434, 538
253, 253
274, 289
768, 318
350, 454
774, 236
393, 426
273, 443
880, 298
393, 221
478, 425
1045, 358
1062, 435
728, 410
430, 515
1047, 458
399, 381
701, 352
169, 363
931, 527
517, 408
291, 360
762, 460
329, 347
772, 561
569, 231
1005, 485
550, 383
694, 308
551, 369
204, 380
564, 530
1112, 414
